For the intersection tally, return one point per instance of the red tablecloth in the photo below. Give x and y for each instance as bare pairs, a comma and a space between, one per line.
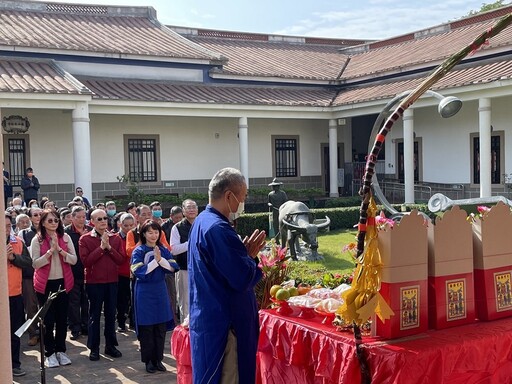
299, 351
302, 351
180, 349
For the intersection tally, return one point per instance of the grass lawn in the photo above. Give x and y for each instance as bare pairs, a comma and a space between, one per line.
335, 261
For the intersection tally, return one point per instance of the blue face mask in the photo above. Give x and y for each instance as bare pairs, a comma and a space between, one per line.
157, 214
111, 212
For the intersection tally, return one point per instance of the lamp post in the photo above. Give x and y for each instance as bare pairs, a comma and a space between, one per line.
448, 107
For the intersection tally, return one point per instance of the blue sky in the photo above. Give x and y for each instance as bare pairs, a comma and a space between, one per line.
358, 19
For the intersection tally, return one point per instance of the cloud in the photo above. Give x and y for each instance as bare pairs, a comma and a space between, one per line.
379, 20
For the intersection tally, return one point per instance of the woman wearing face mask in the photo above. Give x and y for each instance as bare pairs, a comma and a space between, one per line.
53, 253
30, 186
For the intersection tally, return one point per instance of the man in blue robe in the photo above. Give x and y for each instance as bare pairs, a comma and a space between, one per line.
223, 271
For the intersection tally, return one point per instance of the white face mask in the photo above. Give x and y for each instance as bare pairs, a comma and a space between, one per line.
235, 215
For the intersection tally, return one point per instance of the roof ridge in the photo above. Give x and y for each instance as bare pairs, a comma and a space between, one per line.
78, 9
69, 77
190, 43
435, 30
264, 37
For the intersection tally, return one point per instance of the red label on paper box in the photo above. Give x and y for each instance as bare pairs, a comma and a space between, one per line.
493, 293
409, 302
451, 300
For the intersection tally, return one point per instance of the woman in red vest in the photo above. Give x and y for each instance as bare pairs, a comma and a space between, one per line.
53, 254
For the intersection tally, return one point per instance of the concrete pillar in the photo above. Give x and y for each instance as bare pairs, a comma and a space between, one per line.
484, 121
82, 149
333, 158
409, 155
5, 329
243, 137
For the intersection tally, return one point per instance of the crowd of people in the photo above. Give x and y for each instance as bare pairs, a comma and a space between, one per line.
94, 260
100, 261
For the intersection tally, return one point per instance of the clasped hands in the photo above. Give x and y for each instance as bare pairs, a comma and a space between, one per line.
105, 245
255, 243
157, 254
10, 254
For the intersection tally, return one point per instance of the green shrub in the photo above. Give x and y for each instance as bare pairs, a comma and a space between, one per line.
303, 272
348, 201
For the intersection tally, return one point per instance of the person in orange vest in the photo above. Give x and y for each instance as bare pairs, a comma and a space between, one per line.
18, 257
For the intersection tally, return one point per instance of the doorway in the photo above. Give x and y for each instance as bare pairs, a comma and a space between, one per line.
326, 179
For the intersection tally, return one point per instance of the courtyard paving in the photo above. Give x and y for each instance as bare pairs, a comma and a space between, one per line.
127, 369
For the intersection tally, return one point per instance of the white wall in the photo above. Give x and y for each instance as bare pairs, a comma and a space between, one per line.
188, 147
311, 134
50, 141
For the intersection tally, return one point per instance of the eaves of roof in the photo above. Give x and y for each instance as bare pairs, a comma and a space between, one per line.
463, 76
37, 76
152, 91
83, 30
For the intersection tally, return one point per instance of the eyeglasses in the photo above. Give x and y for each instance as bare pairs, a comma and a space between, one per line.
101, 218
51, 221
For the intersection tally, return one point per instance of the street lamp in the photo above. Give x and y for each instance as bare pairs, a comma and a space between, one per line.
448, 107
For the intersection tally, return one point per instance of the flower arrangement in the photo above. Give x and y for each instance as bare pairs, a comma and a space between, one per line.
273, 265
482, 210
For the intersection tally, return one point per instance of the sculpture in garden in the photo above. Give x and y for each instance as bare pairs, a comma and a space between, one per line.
276, 198
296, 220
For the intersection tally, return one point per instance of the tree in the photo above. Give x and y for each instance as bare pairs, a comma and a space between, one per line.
488, 7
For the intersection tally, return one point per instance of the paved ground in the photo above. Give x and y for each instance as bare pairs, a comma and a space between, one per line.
128, 369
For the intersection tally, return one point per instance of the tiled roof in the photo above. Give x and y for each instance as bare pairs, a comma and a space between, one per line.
281, 59
93, 29
481, 74
43, 76
256, 55
105, 89
421, 51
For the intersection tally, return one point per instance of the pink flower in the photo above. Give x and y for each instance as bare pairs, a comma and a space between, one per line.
482, 209
266, 261
381, 220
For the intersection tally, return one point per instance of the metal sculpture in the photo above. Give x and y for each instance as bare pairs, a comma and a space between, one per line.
296, 220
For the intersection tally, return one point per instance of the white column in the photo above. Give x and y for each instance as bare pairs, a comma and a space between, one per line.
243, 137
409, 155
82, 149
484, 121
5, 329
333, 158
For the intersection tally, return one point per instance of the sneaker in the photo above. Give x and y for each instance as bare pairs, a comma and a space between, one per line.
63, 358
16, 372
51, 361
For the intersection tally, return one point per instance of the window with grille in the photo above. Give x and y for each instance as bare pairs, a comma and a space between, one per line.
286, 156
17, 154
496, 157
142, 158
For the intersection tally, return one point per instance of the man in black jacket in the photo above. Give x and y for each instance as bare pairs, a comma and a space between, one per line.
78, 309
30, 186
